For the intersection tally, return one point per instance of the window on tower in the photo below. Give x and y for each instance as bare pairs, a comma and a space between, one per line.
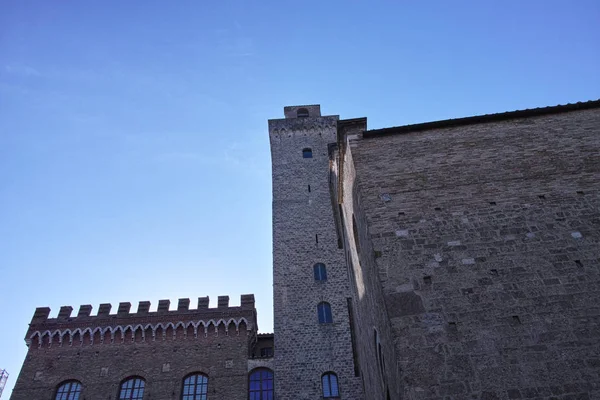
320, 272
302, 113
324, 311
307, 153
330, 386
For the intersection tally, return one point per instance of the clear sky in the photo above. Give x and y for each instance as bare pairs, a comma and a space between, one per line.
134, 152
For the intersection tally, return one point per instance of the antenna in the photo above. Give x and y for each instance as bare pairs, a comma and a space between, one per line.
3, 378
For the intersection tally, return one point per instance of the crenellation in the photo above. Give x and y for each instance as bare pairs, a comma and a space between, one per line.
163, 305
84, 327
104, 309
223, 302
203, 302
85, 310
143, 307
40, 314
124, 308
183, 304
65, 312
247, 301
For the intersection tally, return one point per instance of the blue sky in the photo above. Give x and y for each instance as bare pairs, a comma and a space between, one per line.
134, 153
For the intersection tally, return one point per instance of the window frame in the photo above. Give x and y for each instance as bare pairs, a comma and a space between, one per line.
302, 112
320, 272
263, 394
195, 385
70, 391
330, 387
137, 383
324, 310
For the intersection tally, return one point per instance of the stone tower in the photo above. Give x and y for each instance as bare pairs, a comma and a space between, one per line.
310, 343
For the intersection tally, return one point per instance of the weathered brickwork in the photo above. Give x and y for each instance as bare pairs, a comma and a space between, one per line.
487, 243
162, 347
304, 233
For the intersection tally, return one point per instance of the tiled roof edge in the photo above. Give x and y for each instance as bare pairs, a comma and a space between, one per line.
480, 119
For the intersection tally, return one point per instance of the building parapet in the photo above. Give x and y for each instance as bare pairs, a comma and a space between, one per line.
124, 325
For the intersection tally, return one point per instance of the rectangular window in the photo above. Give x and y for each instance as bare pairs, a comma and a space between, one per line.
266, 352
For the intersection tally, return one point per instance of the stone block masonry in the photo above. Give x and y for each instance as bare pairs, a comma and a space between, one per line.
493, 285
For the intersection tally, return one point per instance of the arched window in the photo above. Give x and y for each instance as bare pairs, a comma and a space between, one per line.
70, 390
330, 386
320, 272
195, 387
307, 152
132, 389
261, 384
324, 310
302, 113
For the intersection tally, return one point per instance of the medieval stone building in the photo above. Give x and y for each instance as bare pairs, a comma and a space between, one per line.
455, 259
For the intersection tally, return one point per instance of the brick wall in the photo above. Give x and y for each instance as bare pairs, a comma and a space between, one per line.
162, 347
489, 244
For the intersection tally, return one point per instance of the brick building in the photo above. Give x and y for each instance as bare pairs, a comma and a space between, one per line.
455, 259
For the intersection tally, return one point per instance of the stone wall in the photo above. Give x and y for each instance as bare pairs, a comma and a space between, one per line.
304, 233
376, 359
489, 244
162, 347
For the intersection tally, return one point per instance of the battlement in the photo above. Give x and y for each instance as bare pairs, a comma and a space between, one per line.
222, 318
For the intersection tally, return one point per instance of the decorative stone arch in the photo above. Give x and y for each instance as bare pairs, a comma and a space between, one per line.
160, 329
231, 322
128, 331
148, 331
65, 336
117, 330
204, 328
213, 323
246, 324
87, 332
58, 341
97, 335
170, 332
77, 333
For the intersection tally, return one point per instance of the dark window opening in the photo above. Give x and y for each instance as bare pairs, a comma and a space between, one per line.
320, 272
302, 113
324, 311
330, 386
307, 153
266, 352
317, 238
308, 188
261, 384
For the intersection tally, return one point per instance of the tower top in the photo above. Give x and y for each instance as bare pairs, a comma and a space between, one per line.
307, 111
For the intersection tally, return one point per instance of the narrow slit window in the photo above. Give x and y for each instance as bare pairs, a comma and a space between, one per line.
320, 272
324, 310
